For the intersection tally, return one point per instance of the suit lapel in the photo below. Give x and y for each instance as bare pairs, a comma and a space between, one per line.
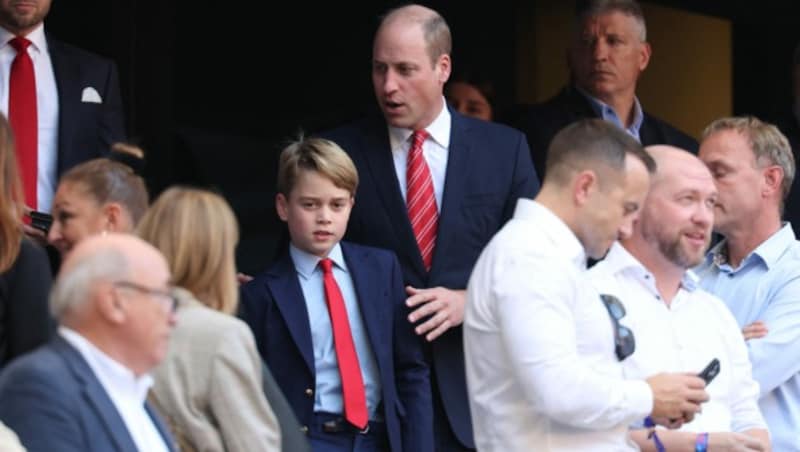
454, 185
162, 429
97, 397
366, 281
288, 296
69, 89
381, 166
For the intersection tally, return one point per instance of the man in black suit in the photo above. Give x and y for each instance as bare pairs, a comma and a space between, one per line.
477, 169
608, 53
79, 107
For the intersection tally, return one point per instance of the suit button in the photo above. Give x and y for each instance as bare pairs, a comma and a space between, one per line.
304, 429
309, 392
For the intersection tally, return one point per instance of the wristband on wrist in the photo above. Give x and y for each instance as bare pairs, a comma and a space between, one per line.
701, 444
648, 422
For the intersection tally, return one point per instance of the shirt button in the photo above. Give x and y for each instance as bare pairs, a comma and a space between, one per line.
309, 392
304, 429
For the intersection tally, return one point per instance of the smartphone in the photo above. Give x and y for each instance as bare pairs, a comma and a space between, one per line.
711, 371
41, 221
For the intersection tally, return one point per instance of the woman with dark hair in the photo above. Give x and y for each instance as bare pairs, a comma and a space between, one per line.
25, 321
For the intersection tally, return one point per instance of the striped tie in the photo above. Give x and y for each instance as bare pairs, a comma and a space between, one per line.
420, 199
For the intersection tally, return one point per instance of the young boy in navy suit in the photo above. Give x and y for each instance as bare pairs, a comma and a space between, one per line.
330, 320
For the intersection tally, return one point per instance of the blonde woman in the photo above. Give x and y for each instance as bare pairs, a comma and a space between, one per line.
209, 387
100, 195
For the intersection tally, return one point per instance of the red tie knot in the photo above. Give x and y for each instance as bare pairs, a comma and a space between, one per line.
418, 138
326, 265
19, 44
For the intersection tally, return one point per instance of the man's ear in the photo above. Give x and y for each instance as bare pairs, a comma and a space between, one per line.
444, 66
583, 186
282, 206
773, 181
644, 56
110, 306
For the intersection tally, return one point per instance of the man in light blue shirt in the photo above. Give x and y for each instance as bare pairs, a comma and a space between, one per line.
756, 269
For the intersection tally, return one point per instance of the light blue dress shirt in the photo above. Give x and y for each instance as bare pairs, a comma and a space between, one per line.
328, 394
766, 287
607, 113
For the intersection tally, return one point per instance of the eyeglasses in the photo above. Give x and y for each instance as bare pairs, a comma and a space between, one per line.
624, 343
168, 295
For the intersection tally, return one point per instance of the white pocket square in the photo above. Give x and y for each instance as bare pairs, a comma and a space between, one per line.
91, 95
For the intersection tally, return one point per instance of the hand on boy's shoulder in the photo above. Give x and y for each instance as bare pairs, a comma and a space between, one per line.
441, 308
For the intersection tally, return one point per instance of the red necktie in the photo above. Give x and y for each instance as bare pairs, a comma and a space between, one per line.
22, 116
355, 400
421, 200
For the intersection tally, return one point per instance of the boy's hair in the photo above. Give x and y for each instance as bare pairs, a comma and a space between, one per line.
318, 155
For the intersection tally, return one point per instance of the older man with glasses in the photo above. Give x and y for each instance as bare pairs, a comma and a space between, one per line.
678, 326
86, 389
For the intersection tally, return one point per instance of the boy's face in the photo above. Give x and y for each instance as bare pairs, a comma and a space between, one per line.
316, 212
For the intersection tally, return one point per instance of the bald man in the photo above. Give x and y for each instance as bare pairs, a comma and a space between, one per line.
678, 326
86, 389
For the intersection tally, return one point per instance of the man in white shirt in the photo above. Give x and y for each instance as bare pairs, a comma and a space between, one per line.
86, 389
542, 357
678, 326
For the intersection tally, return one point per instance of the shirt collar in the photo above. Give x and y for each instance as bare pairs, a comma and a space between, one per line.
605, 111
36, 37
554, 227
306, 263
619, 260
439, 131
769, 251
114, 376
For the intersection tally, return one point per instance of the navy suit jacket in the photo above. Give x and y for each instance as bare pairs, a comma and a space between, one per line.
86, 130
274, 307
543, 121
488, 168
55, 403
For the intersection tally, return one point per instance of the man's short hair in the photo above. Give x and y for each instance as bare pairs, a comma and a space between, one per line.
438, 40
588, 144
594, 8
75, 284
321, 156
769, 145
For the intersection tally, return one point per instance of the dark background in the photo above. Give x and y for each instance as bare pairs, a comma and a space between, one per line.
212, 89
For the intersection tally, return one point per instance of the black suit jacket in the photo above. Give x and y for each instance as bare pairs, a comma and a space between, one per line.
86, 130
543, 121
25, 321
488, 169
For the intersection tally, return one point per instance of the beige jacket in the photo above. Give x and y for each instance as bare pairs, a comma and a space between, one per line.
208, 389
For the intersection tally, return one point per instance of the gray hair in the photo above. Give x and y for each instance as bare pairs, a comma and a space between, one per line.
629, 8
73, 287
769, 145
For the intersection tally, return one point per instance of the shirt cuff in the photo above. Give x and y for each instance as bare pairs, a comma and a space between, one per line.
640, 397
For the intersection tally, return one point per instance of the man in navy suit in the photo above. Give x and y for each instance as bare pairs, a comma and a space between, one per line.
86, 389
478, 171
608, 54
79, 107
358, 383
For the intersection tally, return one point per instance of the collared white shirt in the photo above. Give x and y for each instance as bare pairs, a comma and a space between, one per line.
435, 150
683, 337
541, 369
46, 107
127, 392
